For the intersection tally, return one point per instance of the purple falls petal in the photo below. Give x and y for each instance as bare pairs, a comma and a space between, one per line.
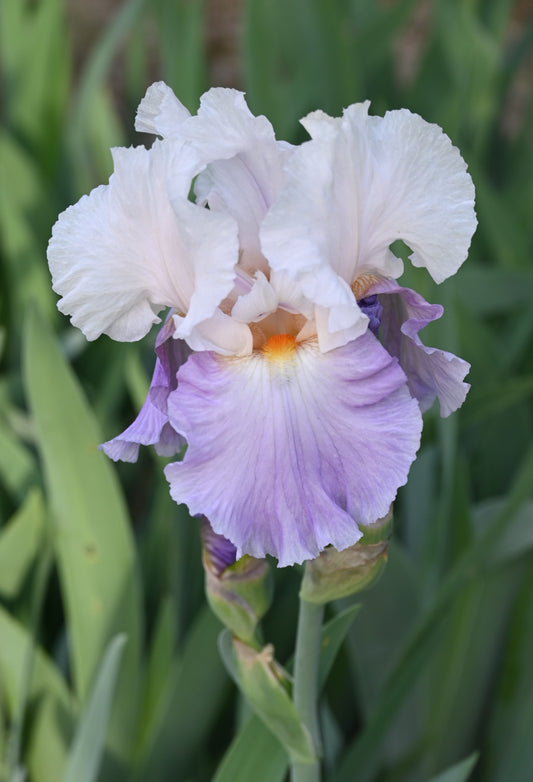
152, 427
287, 457
431, 373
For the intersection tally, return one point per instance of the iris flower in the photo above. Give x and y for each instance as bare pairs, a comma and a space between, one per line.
290, 361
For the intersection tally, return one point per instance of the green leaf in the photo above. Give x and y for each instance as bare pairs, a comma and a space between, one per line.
196, 673
94, 126
93, 543
88, 746
35, 58
17, 466
45, 678
20, 543
459, 772
21, 701
510, 723
417, 649
333, 634
517, 537
265, 686
463, 666
49, 739
489, 291
161, 658
182, 48
23, 272
255, 746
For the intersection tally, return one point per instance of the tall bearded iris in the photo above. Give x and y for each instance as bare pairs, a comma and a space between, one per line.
290, 361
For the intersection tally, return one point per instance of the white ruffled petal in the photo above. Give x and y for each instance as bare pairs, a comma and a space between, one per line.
292, 249
123, 253
244, 165
290, 296
160, 112
405, 180
360, 184
212, 245
330, 338
259, 302
219, 333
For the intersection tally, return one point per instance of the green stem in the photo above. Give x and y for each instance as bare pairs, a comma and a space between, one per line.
306, 661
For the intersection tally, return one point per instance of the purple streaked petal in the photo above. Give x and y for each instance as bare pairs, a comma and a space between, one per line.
431, 373
373, 309
152, 427
286, 457
220, 552
171, 354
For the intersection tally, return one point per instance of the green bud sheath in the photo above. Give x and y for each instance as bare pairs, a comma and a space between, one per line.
335, 574
267, 686
239, 592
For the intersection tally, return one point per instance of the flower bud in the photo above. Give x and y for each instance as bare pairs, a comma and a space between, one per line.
335, 574
239, 591
266, 686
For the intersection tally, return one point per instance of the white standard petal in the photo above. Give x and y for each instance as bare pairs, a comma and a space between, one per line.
360, 184
403, 179
160, 112
263, 297
244, 164
304, 237
124, 252
420, 192
290, 449
259, 302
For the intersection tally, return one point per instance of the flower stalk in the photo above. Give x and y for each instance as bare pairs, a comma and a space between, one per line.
305, 692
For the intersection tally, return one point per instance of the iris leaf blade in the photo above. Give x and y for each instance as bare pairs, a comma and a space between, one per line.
93, 544
458, 772
88, 745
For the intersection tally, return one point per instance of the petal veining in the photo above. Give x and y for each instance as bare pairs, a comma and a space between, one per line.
288, 454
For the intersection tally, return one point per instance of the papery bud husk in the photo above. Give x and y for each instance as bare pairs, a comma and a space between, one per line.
239, 593
266, 686
336, 574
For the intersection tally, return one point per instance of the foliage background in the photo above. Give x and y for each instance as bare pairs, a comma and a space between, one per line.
437, 664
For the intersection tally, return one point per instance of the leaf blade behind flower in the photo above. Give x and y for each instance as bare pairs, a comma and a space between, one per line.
458, 772
93, 544
86, 752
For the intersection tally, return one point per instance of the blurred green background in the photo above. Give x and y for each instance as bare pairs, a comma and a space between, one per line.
439, 662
